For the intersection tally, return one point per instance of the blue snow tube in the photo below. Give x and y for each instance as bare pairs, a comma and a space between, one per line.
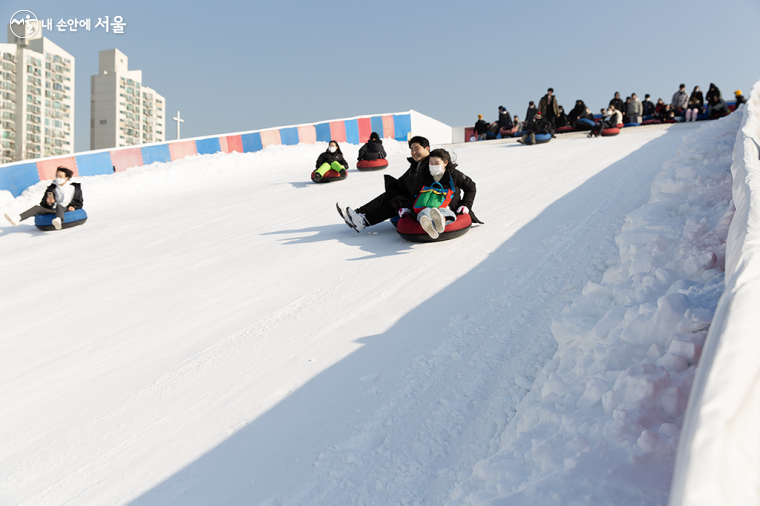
543, 138
70, 219
632, 123
584, 124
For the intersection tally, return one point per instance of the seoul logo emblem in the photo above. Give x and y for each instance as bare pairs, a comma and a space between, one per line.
24, 24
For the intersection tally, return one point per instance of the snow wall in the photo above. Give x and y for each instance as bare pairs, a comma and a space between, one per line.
16, 177
718, 459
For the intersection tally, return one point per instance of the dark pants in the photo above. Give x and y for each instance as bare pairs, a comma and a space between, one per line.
34, 211
383, 207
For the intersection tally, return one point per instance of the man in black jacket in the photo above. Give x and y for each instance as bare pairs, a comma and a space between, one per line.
397, 191
618, 102
648, 106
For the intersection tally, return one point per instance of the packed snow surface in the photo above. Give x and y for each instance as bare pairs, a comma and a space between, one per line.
215, 334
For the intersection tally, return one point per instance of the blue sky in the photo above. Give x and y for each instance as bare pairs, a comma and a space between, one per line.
229, 66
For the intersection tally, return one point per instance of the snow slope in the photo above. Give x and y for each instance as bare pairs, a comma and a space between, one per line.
215, 334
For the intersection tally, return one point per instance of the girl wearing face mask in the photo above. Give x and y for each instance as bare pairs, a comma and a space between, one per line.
443, 171
60, 197
330, 159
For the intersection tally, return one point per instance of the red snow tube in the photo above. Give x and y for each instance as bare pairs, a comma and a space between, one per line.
380, 163
411, 230
620, 125
564, 129
329, 176
651, 122
669, 121
610, 131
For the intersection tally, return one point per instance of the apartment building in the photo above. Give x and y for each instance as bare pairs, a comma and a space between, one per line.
123, 112
36, 98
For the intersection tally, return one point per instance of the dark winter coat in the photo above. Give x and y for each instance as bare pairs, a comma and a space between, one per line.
329, 158
698, 96
712, 92
77, 201
561, 120
578, 112
461, 182
372, 150
548, 106
648, 107
481, 127
619, 104
541, 126
739, 101
505, 120
529, 114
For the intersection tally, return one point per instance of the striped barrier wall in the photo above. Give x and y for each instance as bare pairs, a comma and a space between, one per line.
17, 176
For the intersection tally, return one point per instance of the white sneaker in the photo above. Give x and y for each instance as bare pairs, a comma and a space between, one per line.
14, 219
57, 223
343, 214
427, 226
358, 221
438, 220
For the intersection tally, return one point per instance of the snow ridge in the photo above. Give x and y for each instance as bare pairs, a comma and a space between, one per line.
602, 421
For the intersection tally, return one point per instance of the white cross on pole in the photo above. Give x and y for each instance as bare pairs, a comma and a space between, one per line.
178, 120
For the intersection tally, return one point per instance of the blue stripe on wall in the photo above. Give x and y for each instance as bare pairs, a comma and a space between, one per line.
18, 178
94, 164
208, 146
323, 132
352, 131
377, 125
289, 136
159, 153
251, 142
402, 124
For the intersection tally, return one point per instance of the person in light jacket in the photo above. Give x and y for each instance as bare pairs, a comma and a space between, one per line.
635, 109
680, 99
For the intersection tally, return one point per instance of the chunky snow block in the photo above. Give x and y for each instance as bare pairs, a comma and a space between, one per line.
562, 130
610, 131
584, 124
410, 229
378, 164
543, 138
329, 177
70, 219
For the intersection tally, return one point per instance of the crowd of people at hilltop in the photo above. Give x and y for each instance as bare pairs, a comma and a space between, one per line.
548, 115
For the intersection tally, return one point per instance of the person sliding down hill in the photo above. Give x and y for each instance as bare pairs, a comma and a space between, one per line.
443, 171
61, 196
539, 126
331, 159
397, 191
373, 149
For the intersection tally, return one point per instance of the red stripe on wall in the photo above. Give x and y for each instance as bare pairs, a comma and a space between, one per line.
123, 159
338, 131
270, 138
389, 130
46, 168
307, 134
233, 143
365, 128
182, 149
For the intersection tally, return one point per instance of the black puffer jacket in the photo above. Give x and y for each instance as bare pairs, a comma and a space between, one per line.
77, 201
372, 151
619, 104
461, 182
329, 158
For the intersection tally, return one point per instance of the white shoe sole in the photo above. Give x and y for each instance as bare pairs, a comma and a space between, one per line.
342, 211
57, 223
427, 226
12, 220
438, 220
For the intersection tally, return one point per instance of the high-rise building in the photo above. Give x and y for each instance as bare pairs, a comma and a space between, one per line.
123, 111
36, 98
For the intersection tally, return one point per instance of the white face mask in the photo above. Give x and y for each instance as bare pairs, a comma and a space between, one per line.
332, 149
60, 180
436, 170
